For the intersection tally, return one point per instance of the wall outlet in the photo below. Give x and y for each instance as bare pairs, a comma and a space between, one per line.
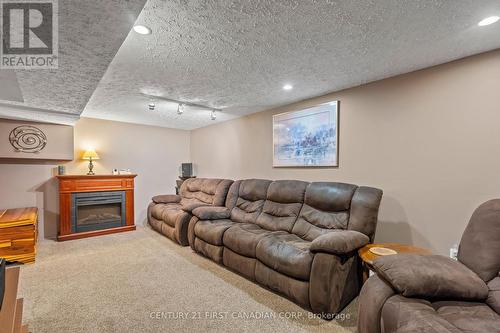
454, 252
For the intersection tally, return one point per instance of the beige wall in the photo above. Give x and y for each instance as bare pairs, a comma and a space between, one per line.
429, 139
154, 153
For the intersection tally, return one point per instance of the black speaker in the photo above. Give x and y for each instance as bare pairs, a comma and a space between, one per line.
187, 169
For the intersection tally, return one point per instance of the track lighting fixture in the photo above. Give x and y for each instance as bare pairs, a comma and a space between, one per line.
181, 105
151, 106
180, 108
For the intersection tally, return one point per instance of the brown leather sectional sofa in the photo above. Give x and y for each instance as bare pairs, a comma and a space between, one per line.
297, 238
414, 293
170, 214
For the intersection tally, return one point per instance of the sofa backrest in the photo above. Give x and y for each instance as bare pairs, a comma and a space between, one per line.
326, 207
363, 216
329, 206
283, 203
480, 244
246, 199
206, 190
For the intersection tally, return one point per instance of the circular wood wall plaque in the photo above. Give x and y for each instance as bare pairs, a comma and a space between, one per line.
27, 139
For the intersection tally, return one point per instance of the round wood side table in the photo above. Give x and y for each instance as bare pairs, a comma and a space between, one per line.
368, 257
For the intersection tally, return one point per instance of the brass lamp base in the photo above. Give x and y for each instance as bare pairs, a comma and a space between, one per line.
91, 168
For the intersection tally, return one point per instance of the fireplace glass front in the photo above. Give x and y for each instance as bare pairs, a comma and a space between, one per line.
98, 210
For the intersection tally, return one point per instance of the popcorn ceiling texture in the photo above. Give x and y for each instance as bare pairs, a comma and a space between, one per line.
90, 34
237, 55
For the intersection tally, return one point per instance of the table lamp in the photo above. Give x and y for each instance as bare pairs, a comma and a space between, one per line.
90, 155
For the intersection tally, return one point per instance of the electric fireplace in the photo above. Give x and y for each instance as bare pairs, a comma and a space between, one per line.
93, 205
97, 210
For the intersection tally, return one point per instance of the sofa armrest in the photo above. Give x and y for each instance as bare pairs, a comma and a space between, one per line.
339, 242
430, 276
190, 206
212, 213
167, 198
371, 300
493, 299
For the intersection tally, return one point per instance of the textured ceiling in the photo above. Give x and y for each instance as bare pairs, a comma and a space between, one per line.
237, 55
90, 34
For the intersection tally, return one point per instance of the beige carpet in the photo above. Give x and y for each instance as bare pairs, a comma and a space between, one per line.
142, 282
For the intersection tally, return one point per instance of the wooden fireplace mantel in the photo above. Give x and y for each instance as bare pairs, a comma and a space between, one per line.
69, 184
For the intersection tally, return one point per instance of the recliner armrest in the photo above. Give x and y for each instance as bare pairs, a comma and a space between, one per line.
493, 299
190, 206
212, 213
339, 242
430, 277
166, 198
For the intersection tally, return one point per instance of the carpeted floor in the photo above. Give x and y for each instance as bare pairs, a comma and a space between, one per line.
142, 282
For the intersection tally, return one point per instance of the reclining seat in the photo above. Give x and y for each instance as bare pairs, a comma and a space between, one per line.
439, 294
244, 203
282, 205
314, 261
170, 214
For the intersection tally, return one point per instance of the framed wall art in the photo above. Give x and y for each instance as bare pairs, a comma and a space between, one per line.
307, 138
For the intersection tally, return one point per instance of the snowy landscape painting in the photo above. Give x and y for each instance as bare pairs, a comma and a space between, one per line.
306, 138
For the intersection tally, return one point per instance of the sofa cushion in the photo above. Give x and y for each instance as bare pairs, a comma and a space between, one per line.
296, 290
468, 316
210, 191
253, 189
411, 315
211, 213
283, 203
287, 254
479, 247
249, 199
330, 196
313, 223
339, 242
430, 276
212, 231
326, 207
188, 205
363, 215
242, 238
167, 198
493, 299
167, 213
246, 211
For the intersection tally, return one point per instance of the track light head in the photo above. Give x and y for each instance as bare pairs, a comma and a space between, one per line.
180, 108
151, 106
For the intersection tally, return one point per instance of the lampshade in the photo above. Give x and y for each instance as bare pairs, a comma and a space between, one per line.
90, 154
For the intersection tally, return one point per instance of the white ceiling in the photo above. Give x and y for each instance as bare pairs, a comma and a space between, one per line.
236, 54
90, 34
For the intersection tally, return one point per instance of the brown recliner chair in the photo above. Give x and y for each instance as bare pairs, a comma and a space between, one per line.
297, 238
170, 214
414, 293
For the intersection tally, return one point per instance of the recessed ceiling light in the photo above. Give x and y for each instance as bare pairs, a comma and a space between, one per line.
488, 21
287, 87
141, 29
